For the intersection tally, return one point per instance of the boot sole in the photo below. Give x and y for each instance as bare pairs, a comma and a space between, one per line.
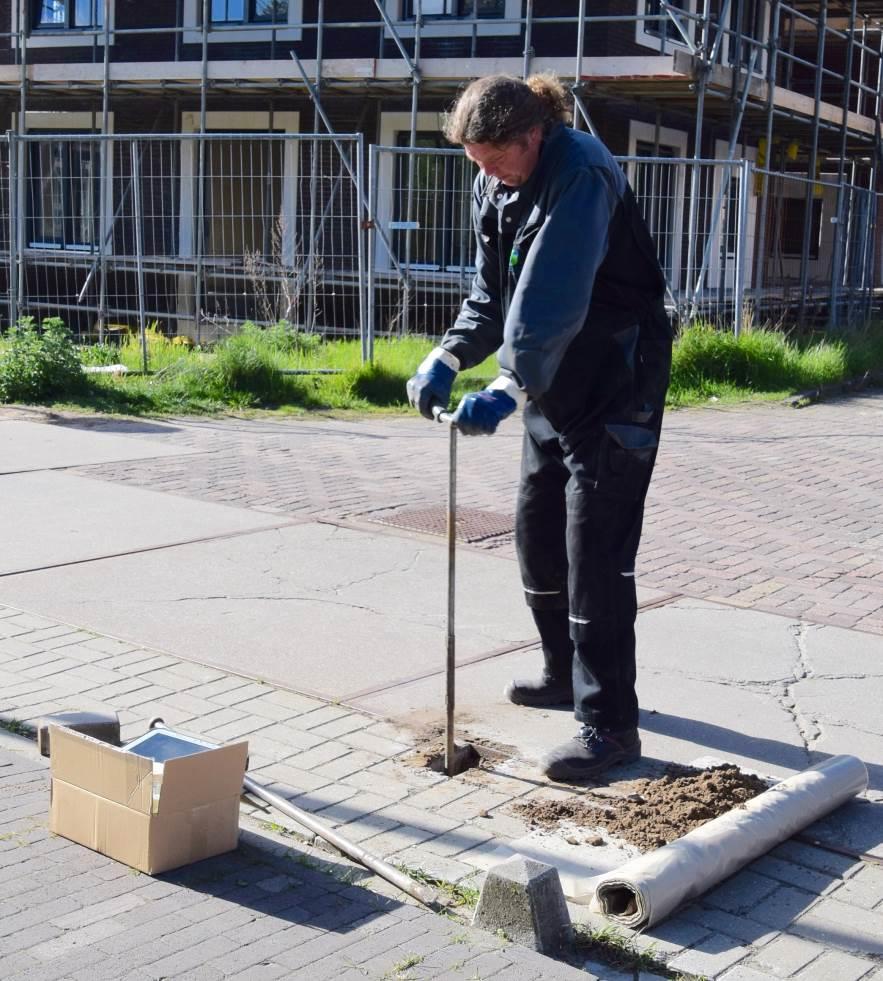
538, 701
562, 771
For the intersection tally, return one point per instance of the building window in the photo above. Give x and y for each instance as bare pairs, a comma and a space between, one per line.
249, 12
793, 221
440, 199
456, 8
231, 21
662, 28
456, 18
67, 14
63, 188
662, 34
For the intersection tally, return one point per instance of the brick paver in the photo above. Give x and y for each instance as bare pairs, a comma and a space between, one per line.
251, 910
734, 512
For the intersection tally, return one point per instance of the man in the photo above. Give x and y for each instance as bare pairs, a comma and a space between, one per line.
569, 292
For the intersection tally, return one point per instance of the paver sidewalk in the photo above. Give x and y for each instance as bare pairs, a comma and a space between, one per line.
802, 911
261, 912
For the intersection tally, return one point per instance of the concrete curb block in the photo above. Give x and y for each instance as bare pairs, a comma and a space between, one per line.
523, 899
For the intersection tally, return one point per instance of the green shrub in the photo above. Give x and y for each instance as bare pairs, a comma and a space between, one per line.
38, 364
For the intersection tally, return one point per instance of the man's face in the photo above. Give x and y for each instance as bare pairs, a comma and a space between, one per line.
511, 163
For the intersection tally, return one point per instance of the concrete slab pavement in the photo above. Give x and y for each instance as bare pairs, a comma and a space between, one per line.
315, 607
26, 446
62, 520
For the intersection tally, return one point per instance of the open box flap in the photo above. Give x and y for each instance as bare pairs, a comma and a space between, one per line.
101, 769
195, 780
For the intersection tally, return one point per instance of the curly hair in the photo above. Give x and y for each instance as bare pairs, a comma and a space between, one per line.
500, 109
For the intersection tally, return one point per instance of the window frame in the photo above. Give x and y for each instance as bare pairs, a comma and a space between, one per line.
392, 124
410, 14
721, 256
645, 36
451, 25
219, 121
72, 124
61, 37
219, 33
70, 6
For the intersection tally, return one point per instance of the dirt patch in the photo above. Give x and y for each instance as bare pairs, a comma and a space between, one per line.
652, 812
430, 750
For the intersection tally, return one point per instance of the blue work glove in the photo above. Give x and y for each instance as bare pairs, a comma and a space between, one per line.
432, 383
479, 413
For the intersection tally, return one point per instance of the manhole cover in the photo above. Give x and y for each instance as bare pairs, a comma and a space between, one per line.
473, 524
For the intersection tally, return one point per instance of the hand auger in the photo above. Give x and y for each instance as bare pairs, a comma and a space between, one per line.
457, 758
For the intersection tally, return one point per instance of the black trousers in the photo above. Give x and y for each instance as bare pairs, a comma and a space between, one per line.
578, 525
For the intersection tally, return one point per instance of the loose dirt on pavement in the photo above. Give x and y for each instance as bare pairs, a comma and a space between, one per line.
650, 813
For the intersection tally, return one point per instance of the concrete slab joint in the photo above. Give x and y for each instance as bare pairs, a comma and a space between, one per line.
523, 899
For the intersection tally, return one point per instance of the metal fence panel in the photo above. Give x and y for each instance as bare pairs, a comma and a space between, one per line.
198, 233
738, 246
193, 233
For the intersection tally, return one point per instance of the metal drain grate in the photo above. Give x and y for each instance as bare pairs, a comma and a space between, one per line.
473, 524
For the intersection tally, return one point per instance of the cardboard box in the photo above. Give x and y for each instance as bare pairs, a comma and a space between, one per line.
111, 801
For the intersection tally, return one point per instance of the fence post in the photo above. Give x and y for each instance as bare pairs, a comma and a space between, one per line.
368, 340
12, 150
139, 252
362, 227
745, 169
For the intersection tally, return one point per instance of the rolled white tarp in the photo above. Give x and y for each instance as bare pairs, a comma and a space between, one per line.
646, 889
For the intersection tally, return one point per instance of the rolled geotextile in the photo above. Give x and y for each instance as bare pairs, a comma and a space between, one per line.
646, 889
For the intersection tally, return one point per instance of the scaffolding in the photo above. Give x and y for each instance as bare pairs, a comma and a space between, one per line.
798, 83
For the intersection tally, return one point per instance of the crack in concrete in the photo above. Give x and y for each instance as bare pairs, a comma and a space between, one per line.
277, 599
807, 726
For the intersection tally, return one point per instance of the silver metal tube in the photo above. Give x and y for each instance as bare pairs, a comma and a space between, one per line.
813, 158
837, 257
20, 229
341, 151
368, 339
104, 157
578, 66
139, 251
12, 151
741, 238
423, 894
528, 50
412, 143
772, 62
360, 248
451, 646
23, 65
310, 313
697, 149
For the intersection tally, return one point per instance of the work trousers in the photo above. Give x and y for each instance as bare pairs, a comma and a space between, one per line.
578, 524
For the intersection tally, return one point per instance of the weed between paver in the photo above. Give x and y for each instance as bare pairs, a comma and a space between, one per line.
16, 727
611, 946
456, 893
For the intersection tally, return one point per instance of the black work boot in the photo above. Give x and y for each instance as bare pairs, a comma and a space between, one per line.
591, 752
545, 690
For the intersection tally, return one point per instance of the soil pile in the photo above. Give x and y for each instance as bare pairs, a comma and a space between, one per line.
652, 812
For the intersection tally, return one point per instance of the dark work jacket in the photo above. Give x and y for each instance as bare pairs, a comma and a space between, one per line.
567, 289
